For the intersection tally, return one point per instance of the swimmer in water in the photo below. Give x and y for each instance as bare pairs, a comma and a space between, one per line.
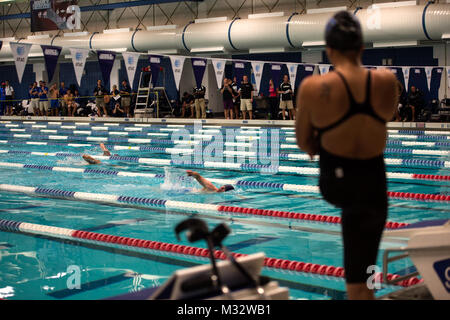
207, 185
91, 160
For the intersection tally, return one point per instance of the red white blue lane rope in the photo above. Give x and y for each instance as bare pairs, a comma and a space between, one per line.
133, 243
252, 184
174, 205
436, 164
240, 183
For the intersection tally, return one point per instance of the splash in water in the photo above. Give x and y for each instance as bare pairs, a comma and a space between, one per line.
176, 180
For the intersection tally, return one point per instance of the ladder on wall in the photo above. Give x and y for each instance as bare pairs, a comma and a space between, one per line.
144, 106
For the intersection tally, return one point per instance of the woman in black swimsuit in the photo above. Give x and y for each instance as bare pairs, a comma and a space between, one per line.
340, 120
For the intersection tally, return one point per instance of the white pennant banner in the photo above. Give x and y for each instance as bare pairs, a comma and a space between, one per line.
324, 68
177, 68
20, 54
428, 72
131, 60
257, 71
406, 76
448, 76
219, 70
292, 68
79, 57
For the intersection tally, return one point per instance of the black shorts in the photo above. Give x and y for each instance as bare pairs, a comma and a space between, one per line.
359, 188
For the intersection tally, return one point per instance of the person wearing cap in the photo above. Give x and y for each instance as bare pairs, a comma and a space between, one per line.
340, 118
207, 185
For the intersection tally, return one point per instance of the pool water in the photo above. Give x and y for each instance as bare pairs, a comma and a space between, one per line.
41, 267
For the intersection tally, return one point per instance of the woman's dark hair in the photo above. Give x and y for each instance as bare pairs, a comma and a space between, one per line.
343, 32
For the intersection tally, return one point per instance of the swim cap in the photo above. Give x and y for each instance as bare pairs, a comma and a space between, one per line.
343, 32
228, 187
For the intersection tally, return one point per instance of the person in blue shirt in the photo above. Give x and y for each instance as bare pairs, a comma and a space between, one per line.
2, 98
34, 96
44, 104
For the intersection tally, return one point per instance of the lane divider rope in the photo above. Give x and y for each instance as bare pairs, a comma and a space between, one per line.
176, 205
289, 130
170, 142
106, 239
283, 156
274, 169
244, 183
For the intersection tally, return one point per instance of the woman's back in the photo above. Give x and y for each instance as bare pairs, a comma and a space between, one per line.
361, 135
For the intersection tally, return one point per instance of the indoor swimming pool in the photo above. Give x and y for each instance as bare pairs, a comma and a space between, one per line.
113, 223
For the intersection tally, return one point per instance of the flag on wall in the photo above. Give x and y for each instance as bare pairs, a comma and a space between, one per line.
20, 53
428, 72
239, 69
51, 55
106, 62
177, 63
275, 70
79, 57
324, 68
292, 69
131, 60
199, 66
448, 76
219, 70
257, 71
405, 71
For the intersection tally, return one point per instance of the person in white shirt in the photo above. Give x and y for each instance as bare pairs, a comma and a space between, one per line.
9, 97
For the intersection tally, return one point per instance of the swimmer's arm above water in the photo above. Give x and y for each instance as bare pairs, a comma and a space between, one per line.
304, 130
207, 185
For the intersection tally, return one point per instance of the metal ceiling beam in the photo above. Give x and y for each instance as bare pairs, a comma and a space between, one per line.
103, 7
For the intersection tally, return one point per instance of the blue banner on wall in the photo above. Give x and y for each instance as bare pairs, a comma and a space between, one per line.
275, 70
51, 55
199, 66
304, 71
106, 62
435, 85
155, 68
239, 70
